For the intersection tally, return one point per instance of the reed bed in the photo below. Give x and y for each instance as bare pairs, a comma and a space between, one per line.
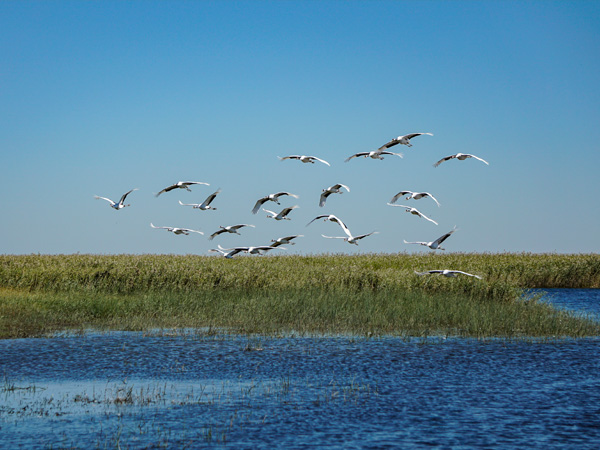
364, 294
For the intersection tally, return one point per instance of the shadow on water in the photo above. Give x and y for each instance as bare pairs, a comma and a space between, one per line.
191, 389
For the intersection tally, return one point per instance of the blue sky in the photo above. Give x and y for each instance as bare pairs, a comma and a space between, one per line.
97, 98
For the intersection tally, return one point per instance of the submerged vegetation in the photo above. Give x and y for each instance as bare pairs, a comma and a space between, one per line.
363, 294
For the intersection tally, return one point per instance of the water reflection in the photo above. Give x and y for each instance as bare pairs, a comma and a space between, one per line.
195, 390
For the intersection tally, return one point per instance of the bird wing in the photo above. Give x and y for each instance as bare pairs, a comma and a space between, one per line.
286, 211
188, 183
126, 194
420, 243
167, 189
480, 159
320, 160
392, 153
400, 206
444, 159
97, 197
187, 204
444, 237
361, 236
216, 233
258, 204
241, 225
323, 198
398, 195
339, 185
285, 240
289, 157
334, 237
163, 228
316, 218
279, 194
425, 217
389, 144
234, 250
427, 194
210, 198
423, 273
188, 230
270, 212
341, 224
231, 253
465, 273
264, 248
412, 135
356, 155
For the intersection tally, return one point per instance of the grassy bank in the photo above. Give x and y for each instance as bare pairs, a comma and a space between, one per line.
327, 293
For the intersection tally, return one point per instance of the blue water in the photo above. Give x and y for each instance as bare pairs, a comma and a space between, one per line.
191, 390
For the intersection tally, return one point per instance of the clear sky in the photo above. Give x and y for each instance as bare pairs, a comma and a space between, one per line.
97, 98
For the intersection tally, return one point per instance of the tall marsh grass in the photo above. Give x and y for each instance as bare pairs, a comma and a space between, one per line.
325, 293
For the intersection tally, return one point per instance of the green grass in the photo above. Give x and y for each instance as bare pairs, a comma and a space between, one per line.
363, 294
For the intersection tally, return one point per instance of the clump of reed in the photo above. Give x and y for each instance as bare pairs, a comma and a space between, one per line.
364, 294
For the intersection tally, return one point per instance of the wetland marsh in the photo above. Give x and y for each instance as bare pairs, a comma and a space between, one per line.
361, 294
298, 353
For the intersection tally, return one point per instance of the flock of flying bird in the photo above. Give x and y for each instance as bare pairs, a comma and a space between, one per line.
335, 189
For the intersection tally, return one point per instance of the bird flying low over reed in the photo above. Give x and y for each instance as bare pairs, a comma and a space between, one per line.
233, 229
177, 230
435, 245
285, 240
351, 239
255, 250
448, 273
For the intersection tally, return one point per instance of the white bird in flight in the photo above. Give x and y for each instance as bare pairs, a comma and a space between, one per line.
415, 195
304, 159
405, 140
205, 205
177, 230
448, 273
460, 157
226, 253
332, 218
272, 198
285, 240
120, 204
351, 239
256, 250
181, 185
233, 229
414, 211
335, 189
283, 215
435, 245
375, 154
